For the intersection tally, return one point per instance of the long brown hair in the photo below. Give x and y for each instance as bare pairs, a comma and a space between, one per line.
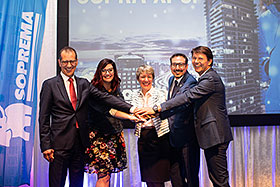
97, 80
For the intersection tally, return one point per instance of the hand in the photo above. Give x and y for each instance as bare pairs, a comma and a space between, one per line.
133, 109
136, 118
141, 119
145, 111
149, 116
49, 155
133, 118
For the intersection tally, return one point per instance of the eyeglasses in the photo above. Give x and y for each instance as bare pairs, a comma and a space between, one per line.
107, 70
65, 62
181, 65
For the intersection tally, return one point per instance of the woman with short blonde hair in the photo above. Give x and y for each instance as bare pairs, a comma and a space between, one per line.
153, 142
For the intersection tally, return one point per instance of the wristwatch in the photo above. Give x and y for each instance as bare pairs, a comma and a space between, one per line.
155, 108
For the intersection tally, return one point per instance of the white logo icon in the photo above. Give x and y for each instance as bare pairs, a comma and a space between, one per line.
13, 121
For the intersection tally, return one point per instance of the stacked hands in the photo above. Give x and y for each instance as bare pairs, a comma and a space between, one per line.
141, 115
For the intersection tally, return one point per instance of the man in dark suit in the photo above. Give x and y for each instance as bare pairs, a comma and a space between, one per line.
63, 120
212, 126
185, 151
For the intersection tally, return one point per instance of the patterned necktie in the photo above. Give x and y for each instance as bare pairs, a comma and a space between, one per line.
73, 96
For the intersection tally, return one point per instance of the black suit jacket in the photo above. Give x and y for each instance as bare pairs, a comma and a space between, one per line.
181, 118
211, 119
57, 117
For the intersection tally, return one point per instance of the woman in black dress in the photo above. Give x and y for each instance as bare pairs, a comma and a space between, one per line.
106, 153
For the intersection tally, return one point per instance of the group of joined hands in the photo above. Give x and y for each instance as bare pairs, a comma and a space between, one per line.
143, 114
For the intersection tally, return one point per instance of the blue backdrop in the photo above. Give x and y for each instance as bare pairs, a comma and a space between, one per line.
21, 33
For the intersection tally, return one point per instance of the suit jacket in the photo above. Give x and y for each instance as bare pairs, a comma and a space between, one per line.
181, 119
57, 117
212, 125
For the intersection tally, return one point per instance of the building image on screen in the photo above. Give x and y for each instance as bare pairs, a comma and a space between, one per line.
233, 37
243, 35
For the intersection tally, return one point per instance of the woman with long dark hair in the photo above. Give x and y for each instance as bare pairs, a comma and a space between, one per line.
106, 153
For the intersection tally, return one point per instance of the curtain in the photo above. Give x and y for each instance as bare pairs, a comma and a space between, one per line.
253, 160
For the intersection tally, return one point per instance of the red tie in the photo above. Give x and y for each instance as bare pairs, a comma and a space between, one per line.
73, 96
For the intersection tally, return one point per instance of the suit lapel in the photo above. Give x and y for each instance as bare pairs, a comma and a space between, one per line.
206, 74
169, 87
181, 83
79, 91
62, 89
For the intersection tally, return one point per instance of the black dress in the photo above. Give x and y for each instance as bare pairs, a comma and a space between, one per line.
106, 153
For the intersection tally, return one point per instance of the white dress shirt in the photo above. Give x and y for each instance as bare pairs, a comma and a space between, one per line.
67, 83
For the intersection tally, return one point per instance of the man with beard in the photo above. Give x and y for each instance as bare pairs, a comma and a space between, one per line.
184, 157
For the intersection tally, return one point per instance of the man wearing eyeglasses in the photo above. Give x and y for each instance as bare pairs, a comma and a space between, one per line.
184, 147
212, 127
63, 120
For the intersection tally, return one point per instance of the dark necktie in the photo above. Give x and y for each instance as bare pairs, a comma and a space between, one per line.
175, 89
73, 96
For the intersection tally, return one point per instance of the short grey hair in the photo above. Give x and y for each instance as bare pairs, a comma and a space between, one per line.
145, 68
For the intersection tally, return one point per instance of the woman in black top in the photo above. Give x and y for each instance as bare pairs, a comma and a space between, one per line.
106, 153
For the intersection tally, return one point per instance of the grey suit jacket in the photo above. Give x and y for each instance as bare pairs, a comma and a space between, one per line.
212, 125
181, 119
57, 117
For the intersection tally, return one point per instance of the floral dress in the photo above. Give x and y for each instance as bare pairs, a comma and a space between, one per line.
106, 153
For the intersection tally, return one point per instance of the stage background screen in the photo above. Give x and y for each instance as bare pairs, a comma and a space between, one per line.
243, 35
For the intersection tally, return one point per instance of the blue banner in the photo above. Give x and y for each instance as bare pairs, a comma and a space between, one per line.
22, 25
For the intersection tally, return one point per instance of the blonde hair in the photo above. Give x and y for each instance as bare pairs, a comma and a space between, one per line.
145, 68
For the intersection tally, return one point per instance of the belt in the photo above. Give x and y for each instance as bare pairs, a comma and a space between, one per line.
148, 127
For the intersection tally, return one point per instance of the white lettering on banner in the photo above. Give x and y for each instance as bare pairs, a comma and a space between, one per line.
29, 28
13, 120
135, 1
30, 89
23, 53
17, 116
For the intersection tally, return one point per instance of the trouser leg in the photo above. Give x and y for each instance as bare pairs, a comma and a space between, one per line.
58, 169
216, 158
177, 174
76, 168
191, 162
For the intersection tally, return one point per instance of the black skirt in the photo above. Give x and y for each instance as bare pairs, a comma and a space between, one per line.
154, 156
